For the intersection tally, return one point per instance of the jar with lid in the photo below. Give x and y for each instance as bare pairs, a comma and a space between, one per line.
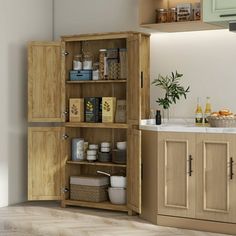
87, 61
77, 62
103, 64
172, 14
162, 15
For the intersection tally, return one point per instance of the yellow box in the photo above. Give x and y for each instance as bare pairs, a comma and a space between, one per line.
76, 110
108, 109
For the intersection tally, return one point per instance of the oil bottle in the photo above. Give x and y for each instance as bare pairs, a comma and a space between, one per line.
198, 114
207, 111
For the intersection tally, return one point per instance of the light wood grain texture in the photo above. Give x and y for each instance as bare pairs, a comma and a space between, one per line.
100, 205
147, 17
134, 170
44, 163
176, 189
97, 81
134, 79
46, 87
217, 191
95, 163
97, 125
149, 178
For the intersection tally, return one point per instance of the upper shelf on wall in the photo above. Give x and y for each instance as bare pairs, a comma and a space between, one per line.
147, 17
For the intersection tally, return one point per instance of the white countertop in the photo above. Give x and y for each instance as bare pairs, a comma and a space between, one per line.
182, 125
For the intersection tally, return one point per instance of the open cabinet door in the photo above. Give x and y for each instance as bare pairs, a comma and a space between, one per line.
46, 83
134, 170
44, 163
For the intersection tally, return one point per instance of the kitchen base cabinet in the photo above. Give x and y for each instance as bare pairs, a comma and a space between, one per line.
176, 192
216, 183
198, 195
50, 90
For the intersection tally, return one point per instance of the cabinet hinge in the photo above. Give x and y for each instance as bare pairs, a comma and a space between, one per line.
65, 53
65, 113
64, 190
65, 136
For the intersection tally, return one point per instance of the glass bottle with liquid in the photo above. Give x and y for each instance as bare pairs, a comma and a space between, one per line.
207, 111
198, 114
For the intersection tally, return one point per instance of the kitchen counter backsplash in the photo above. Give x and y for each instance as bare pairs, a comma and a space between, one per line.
182, 125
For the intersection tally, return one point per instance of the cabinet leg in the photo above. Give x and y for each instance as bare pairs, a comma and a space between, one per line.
63, 205
132, 213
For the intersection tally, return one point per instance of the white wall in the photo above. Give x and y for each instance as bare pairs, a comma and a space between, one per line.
20, 22
207, 59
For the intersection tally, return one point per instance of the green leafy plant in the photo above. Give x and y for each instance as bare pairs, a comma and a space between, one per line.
173, 89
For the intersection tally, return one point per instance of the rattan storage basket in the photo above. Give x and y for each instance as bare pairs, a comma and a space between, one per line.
224, 121
88, 193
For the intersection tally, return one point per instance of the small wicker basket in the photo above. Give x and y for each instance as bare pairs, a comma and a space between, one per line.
222, 121
88, 193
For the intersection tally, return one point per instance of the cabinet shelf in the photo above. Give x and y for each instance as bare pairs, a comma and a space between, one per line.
181, 26
97, 81
101, 205
96, 163
97, 125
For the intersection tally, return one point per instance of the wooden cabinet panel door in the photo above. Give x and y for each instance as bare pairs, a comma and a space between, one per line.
218, 10
176, 174
138, 98
46, 85
44, 163
216, 190
134, 170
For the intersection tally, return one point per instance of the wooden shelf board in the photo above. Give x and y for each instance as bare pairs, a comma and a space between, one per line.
97, 81
101, 205
97, 125
96, 163
181, 26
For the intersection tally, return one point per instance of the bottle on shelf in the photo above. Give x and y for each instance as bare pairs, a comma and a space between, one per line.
207, 111
158, 117
198, 114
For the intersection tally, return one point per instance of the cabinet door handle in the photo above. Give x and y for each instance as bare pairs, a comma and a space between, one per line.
231, 173
65, 136
227, 15
190, 165
142, 79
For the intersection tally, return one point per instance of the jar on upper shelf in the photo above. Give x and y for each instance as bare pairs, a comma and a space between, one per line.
77, 62
162, 15
87, 61
172, 14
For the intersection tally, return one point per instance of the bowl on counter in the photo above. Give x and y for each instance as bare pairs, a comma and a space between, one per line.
117, 195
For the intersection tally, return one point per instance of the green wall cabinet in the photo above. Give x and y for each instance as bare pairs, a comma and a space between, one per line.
219, 11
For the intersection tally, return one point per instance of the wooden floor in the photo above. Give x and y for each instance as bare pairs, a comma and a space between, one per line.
48, 219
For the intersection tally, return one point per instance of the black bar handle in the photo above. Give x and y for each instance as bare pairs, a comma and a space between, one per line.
227, 15
142, 79
190, 165
231, 167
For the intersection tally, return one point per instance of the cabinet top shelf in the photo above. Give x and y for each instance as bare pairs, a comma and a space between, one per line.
96, 81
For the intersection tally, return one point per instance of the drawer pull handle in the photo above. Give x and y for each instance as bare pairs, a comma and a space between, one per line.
227, 15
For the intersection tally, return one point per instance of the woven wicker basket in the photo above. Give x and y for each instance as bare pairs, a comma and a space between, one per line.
88, 193
224, 121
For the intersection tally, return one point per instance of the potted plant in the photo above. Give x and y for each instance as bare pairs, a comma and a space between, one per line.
173, 90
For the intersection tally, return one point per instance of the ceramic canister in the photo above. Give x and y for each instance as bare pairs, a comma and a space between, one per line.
77, 149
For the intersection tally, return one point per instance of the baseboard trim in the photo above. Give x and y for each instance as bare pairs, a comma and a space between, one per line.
194, 224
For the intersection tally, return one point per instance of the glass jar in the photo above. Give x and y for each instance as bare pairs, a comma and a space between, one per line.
162, 15
87, 61
102, 63
77, 62
172, 14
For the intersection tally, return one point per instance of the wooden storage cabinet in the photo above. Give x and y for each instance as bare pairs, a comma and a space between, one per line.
216, 184
147, 17
219, 11
176, 156
134, 89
